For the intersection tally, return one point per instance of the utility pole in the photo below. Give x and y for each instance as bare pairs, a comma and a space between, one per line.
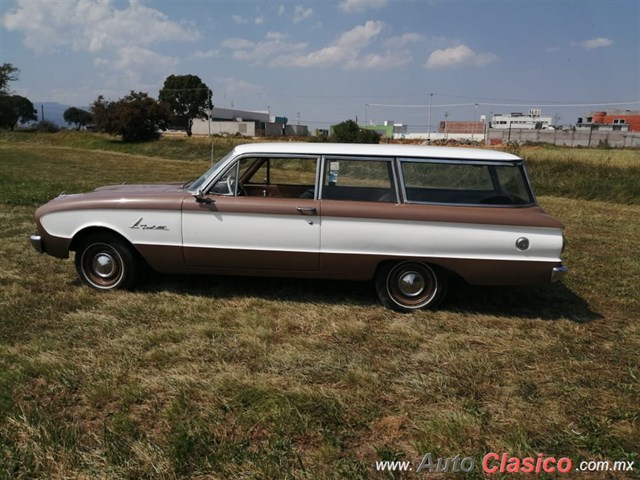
210, 107
429, 126
473, 126
446, 135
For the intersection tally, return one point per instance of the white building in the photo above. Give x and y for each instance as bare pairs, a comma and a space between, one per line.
532, 120
248, 123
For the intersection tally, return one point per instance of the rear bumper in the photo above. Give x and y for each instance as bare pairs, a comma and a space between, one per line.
36, 242
558, 272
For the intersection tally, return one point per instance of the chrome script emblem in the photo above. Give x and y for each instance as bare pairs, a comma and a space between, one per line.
143, 226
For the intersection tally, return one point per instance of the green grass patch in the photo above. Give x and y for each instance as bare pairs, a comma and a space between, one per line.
168, 147
606, 175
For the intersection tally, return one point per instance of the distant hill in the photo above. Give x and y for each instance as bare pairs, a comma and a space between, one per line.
53, 112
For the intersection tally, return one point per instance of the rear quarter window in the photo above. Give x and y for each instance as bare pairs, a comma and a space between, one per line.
465, 183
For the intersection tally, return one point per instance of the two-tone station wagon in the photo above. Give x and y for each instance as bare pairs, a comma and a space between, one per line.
409, 217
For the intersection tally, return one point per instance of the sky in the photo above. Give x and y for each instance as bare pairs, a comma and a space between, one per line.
324, 61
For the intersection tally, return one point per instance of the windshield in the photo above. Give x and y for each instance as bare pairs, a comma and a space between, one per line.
197, 184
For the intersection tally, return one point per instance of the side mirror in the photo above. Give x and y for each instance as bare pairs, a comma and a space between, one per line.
202, 198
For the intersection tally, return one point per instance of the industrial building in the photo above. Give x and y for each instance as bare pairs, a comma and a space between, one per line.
532, 120
248, 123
611, 120
387, 129
455, 127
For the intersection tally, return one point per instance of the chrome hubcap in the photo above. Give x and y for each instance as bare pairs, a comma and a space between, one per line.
411, 284
103, 265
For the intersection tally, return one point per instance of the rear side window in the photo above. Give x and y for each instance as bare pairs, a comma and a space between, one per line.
359, 180
465, 183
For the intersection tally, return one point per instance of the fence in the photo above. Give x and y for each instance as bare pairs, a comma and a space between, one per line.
566, 138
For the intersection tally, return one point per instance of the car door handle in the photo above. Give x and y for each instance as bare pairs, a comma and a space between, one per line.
307, 210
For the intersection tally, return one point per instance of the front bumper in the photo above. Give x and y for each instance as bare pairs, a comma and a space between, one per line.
558, 272
36, 242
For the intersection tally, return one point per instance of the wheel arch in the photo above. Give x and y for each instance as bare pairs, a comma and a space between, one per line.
87, 232
433, 263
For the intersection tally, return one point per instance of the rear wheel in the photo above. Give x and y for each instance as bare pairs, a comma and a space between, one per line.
408, 286
106, 262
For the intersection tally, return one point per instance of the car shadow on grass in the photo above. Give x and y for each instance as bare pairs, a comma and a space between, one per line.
548, 302
329, 292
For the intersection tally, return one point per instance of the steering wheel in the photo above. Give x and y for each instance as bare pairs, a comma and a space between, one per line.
231, 184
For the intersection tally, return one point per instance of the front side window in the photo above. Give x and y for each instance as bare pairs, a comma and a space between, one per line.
465, 183
280, 177
358, 180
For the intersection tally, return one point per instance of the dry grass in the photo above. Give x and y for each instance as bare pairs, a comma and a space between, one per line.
212, 377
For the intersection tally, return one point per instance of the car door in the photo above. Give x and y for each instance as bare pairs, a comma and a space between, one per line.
359, 204
261, 215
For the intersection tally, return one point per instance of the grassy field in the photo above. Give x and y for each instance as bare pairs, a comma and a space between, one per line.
217, 377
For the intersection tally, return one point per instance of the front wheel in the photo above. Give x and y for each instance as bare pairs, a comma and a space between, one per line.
106, 262
408, 286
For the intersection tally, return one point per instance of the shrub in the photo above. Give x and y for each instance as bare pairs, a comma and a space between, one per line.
46, 126
136, 117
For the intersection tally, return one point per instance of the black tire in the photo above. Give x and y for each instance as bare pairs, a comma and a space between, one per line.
106, 262
409, 286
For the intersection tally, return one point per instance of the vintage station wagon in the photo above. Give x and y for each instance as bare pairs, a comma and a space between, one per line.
408, 217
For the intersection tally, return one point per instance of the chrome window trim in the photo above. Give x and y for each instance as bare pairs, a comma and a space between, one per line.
481, 205
368, 158
462, 161
236, 161
519, 163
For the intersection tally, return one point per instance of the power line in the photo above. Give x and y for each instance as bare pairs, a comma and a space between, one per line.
485, 104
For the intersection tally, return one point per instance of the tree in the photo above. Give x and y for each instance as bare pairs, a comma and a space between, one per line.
136, 117
8, 73
14, 109
349, 132
187, 97
77, 116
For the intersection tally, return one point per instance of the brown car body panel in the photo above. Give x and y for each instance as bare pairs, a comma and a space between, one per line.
171, 259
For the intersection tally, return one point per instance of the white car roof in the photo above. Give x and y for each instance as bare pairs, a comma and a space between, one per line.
373, 150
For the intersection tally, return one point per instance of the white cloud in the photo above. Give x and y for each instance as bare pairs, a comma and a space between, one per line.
119, 39
599, 42
351, 6
230, 86
86, 25
360, 36
276, 36
239, 20
376, 61
459, 56
258, 20
135, 62
273, 44
202, 55
237, 43
301, 13
403, 40
346, 48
